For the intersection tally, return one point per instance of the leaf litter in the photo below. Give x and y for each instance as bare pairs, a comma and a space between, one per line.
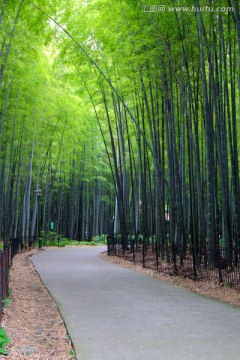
32, 320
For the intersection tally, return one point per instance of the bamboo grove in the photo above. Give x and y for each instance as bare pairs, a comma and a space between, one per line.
127, 117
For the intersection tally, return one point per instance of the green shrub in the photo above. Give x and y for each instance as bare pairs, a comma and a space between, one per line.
4, 340
54, 240
7, 302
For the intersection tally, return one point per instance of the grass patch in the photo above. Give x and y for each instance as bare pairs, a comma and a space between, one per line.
7, 302
61, 241
4, 340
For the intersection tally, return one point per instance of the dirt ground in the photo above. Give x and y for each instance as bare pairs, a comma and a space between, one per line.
32, 320
34, 324
208, 288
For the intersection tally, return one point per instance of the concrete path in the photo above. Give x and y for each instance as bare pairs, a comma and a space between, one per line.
116, 314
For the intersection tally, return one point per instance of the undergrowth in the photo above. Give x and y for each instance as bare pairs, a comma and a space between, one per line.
4, 340
61, 241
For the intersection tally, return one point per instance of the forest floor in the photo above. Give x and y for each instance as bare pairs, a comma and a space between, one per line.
32, 320
34, 324
207, 288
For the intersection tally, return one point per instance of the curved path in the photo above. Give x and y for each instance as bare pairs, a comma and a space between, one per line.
113, 313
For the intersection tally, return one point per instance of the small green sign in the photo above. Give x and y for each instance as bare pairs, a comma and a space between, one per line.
52, 225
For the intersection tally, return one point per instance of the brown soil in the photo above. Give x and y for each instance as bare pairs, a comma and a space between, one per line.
32, 321
208, 288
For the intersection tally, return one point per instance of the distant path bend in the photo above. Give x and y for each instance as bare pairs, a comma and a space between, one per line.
113, 313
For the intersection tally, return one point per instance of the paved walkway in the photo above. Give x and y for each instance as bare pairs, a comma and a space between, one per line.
113, 313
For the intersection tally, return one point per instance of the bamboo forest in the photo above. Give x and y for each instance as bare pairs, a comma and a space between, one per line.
125, 116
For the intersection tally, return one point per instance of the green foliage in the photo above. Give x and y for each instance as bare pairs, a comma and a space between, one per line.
58, 241
54, 100
100, 239
6, 302
4, 340
67, 242
72, 354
